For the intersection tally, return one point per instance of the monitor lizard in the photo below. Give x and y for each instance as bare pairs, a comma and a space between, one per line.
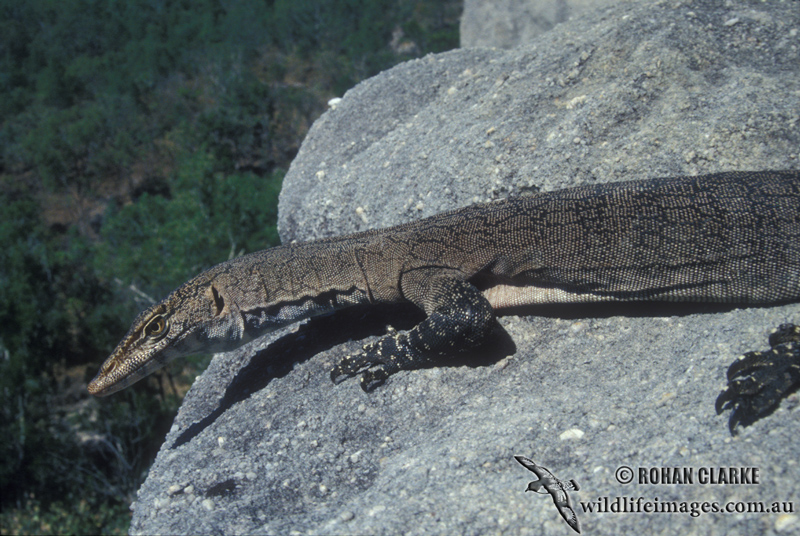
727, 237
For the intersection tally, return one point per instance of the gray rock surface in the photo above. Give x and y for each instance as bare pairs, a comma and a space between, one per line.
264, 443
511, 23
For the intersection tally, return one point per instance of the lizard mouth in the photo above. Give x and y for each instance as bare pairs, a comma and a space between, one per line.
97, 388
111, 379
104, 386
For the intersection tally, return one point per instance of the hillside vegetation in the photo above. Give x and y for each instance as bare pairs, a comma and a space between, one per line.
141, 142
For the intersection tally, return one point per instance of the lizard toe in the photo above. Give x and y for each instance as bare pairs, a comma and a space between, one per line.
375, 377
785, 333
758, 381
370, 356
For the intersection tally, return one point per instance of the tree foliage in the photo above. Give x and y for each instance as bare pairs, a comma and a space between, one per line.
140, 143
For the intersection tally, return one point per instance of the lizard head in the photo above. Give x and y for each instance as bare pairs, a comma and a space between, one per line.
195, 318
219, 310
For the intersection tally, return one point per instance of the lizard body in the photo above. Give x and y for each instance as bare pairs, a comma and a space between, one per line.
728, 237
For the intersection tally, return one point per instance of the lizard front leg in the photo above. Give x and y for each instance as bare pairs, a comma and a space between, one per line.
459, 317
758, 381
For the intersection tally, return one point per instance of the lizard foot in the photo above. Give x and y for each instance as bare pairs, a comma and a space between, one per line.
459, 317
377, 360
758, 381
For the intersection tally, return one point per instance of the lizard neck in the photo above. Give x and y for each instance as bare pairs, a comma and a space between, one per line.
272, 288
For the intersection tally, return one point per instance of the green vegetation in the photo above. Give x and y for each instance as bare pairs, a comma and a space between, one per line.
141, 142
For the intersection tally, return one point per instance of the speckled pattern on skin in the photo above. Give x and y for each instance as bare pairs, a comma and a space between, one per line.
727, 237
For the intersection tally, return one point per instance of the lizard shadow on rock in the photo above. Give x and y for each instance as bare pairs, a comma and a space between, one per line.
361, 322
323, 333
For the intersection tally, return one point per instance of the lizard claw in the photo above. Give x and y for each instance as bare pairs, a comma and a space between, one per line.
348, 367
373, 378
353, 364
377, 361
758, 381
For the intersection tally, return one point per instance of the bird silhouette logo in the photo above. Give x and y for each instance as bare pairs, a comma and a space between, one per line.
548, 483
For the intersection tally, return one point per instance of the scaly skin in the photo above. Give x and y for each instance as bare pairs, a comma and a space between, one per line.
728, 237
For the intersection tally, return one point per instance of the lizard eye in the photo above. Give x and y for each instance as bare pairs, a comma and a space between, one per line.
156, 327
